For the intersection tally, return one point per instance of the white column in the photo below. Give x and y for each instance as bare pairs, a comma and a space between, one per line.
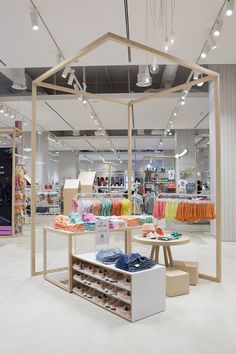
228, 148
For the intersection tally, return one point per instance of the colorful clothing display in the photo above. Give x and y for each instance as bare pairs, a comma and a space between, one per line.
108, 256
64, 223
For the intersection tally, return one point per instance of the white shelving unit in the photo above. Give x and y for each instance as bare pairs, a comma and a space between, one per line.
147, 288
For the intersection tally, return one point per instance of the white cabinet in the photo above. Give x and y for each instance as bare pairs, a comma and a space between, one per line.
145, 289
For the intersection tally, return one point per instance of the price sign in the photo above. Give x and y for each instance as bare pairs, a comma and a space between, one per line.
102, 236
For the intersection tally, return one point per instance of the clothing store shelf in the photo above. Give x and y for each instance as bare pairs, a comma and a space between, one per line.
102, 306
149, 284
102, 280
103, 291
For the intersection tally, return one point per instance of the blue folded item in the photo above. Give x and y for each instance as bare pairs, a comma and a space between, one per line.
109, 255
134, 262
75, 218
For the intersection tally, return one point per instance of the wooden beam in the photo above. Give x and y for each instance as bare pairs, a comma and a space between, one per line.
186, 85
82, 52
130, 152
208, 277
158, 53
218, 177
33, 176
82, 93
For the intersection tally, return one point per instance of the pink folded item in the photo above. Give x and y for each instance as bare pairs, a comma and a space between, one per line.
148, 228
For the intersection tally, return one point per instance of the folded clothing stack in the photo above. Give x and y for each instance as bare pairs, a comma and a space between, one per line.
64, 223
109, 255
146, 219
75, 218
131, 220
134, 262
118, 223
174, 236
89, 222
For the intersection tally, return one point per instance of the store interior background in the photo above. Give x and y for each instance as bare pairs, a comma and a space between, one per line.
68, 138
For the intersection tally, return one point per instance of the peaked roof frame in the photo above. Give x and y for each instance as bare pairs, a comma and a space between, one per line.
207, 75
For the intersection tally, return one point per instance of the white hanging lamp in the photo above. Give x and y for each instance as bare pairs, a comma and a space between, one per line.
143, 78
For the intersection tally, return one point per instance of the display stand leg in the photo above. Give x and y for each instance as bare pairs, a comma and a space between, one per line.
128, 241
45, 252
69, 238
165, 256
157, 254
152, 252
170, 256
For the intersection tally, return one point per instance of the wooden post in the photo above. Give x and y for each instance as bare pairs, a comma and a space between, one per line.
33, 177
130, 152
218, 176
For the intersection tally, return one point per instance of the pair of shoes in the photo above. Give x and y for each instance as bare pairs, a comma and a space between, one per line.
78, 289
97, 284
78, 277
100, 299
89, 269
124, 295
99, 273
77, 266
124, 310
111, 290
112, 304
126, 282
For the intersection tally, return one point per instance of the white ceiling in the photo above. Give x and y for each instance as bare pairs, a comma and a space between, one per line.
75, 23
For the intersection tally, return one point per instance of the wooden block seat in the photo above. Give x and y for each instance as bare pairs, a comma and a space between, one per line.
177, 282
188, 267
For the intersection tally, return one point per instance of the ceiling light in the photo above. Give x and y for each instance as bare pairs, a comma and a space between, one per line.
172, 38
12, 115
40, 133
154, 68
34, 20
24, 123
171, 125
27, 149
211, 42
186, 91
166, 47
195, 75
71, 78
182, 102
175, 114
6, 113
84, 100
183, 153
205, 51
1, 109
218, 27
229, 7
143, 78
168, 130
66, 72
183, 97
92, 116
161, 143
170, 133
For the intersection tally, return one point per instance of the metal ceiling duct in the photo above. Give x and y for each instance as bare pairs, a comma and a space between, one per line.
17, 76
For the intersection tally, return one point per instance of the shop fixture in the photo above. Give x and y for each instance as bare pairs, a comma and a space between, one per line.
12, 182
207, 75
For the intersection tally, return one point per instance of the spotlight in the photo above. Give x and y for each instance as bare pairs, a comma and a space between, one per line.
12, 115
218, 27
1, 109
195, 75
186, 91
34, 20
229, 7
84, 100
71, 78
200, 83
182, 97
6, 113
65, 72
92, 116
24, 123
211, 42
205, 51
170, 133
168, 130
171, 125
175, 114
182, 102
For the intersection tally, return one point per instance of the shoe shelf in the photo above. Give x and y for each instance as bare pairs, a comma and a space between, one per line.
101, 279
101, 305
101, 290
146, 294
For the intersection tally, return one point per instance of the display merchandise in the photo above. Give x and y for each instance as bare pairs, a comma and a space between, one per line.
110, 287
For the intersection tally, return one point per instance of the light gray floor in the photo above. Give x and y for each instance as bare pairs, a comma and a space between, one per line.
39, 318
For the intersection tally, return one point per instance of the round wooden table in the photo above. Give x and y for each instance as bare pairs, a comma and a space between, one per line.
156, 244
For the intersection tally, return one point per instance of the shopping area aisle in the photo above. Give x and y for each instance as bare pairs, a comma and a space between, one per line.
37, 317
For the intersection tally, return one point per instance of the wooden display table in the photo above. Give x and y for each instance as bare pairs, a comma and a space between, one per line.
65, 283
156, 244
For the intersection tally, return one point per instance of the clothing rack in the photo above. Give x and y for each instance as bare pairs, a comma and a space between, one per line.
184, 195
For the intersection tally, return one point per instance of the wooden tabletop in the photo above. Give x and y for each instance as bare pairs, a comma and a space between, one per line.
147, 241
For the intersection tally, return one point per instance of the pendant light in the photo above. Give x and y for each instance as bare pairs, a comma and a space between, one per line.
143, 78
154, 68
229, 7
